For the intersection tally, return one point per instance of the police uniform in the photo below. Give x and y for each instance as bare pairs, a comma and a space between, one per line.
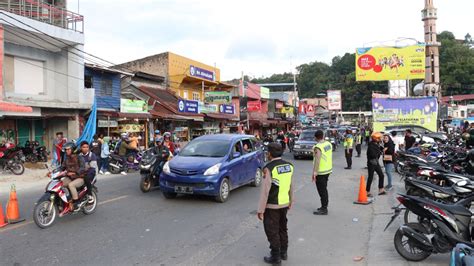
359, 144
348, 146
275, 198
322, 168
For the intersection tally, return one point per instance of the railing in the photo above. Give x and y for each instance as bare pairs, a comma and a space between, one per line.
44, 12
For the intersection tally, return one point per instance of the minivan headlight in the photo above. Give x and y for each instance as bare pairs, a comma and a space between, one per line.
166, 168
297, 146
213, 170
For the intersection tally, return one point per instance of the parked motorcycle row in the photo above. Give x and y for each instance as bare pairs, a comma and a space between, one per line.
13, 157
439, 183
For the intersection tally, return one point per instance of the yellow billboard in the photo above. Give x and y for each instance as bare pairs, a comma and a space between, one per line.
390, 63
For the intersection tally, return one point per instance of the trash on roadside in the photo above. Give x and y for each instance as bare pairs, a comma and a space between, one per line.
357, 258
355, 219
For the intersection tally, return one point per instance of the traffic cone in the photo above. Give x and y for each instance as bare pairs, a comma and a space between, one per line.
2, 218
362, 199
13, 211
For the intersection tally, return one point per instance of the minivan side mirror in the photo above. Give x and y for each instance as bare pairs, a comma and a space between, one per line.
236, 155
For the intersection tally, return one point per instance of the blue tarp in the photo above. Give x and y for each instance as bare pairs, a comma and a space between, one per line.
91, 126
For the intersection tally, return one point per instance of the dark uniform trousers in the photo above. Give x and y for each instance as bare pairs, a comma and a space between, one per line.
358, 149
276, 229
322, 187
349, 157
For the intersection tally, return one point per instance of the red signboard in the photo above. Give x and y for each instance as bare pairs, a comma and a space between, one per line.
310, 110
302, 108
254, 106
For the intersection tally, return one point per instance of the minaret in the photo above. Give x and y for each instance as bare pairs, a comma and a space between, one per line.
429, 16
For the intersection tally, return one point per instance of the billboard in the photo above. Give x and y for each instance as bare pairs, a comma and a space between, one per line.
133, 106
334, 100
390, 63
217, 97
388, 112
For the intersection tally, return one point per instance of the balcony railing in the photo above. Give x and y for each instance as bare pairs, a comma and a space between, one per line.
44, 12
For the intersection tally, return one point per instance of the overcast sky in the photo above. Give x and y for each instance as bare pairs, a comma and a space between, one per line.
259, 37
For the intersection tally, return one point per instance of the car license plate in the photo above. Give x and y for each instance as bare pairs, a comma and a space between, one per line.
184, 190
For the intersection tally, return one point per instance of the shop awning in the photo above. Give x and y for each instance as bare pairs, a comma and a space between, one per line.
135, 115
11, 107
166, 115
196, 80
222, 117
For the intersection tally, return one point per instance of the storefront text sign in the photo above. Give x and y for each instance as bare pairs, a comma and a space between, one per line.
226, 109
133, 106
185, 106
107, 123
254, 106
217, 97
202, 73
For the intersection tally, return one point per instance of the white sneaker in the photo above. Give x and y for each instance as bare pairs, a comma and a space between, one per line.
90, 199
135, 161
123, 173
101, 172
107, 173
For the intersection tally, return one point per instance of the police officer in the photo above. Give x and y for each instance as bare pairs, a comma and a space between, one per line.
322, 168
358, 142
348, 148
275, 200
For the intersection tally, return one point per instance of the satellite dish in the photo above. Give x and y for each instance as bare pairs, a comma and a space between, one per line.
418, 89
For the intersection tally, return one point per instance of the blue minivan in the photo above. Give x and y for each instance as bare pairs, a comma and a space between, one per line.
213, 165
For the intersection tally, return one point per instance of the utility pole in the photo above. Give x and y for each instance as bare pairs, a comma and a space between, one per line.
246, 101
295, 96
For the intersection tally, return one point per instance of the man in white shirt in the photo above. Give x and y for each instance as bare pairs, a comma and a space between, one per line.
396, 141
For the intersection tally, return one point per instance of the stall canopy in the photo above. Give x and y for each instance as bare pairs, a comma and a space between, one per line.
11, 107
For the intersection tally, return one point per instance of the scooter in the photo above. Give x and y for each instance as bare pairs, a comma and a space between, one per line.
462, 255
439, 228
11, 160
55, 202
150, 178
118, 164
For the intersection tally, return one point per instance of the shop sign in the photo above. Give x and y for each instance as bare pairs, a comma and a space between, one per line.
310, 110
264, 93
217, 97
133, 106
107, 123
208, 108
253, 106
226, 109
129, 128
202, 73
185, 106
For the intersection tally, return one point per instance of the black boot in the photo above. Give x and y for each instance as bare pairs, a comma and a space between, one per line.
284, 253
274, 258
321, 211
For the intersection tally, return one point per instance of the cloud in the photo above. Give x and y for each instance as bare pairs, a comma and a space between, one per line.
251, 48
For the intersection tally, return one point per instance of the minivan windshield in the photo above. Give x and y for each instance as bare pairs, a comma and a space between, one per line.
307, 135
206, 148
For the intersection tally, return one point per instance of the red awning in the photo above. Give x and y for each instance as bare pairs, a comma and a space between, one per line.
11, 107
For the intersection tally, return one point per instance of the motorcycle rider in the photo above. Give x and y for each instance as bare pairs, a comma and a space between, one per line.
90, 167
168, 142
281, 139
123, 150
73, 166
162, 152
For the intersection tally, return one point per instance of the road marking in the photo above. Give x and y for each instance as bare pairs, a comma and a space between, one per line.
16, 226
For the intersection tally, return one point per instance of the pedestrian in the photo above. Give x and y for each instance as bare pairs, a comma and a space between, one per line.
409, 139
96, 149
374, 150
104, 157
348, 148
322, 168
58, 143
276, 198
388, 157
367, 136
358, 141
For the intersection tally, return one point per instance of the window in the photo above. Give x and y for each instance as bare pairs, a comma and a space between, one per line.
88, 81
237, 148
247, 146
106, 87
185, 95
23, 76
196, 96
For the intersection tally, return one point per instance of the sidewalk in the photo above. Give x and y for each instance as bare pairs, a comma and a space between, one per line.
34, 176
381, 247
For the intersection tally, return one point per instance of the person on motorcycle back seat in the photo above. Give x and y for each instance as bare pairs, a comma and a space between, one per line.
73, 166
90, 167
168, 143
162, 153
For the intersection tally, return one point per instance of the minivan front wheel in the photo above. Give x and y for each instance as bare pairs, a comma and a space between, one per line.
224, 190
258, 178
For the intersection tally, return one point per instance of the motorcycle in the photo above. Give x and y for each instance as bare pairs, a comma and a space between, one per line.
291, 143
148, 166
118, 164
11, 160
462, 255
34, 152
55, 202
439, 227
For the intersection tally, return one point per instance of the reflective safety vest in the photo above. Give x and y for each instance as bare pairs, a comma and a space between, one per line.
282, 173
367, 133
348, 142
359, 139
325, 164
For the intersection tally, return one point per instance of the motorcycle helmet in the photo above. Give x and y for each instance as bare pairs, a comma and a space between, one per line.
160, 139
466, 136
124, 135
157, 132
69, 145
376, 136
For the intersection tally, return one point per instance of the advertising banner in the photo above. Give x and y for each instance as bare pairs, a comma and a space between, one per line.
226, 109
188, 106
217, 97
334, 100
422, 112
390, 63
264, 93
254, 106
202, 73
310, 110
208, 108
133, 106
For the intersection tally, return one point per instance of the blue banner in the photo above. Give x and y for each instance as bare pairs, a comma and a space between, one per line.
226, 109
185, 106
202, 73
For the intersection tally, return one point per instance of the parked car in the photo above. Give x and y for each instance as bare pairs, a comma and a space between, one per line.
213, 165
305, 143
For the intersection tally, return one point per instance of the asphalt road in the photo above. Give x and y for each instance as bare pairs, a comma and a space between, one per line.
130, 227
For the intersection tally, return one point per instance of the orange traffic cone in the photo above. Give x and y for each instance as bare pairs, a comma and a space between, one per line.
13, 211
362, 199
2, 218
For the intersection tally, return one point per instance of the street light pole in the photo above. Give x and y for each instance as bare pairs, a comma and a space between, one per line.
295, 96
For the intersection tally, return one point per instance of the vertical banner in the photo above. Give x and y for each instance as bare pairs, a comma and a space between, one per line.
421, 112
334, 100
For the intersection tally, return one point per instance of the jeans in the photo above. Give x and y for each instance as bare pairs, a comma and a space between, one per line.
104, 165
322, 187
389, 167
276, 229
374, 168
